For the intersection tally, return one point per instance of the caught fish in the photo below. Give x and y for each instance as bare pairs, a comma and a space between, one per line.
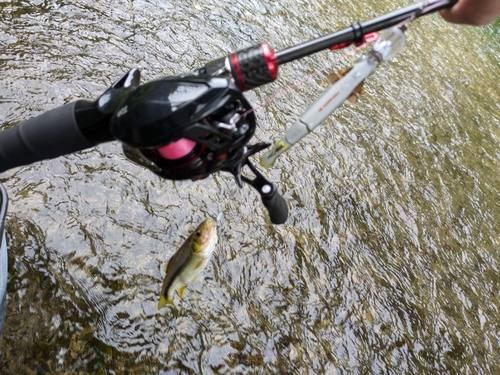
189, 261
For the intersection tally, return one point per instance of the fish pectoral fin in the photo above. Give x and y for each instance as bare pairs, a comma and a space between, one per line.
200, 263
163, 302
181, 290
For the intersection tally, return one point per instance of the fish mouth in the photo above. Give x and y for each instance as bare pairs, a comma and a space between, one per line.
210, 225
208, 234
209, 230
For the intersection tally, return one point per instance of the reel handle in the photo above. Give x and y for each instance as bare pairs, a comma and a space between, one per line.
276, 206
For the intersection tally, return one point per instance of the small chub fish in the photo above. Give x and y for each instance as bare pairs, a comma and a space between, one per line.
189, 261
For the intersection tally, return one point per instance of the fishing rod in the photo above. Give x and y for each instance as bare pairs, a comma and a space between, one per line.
187, 126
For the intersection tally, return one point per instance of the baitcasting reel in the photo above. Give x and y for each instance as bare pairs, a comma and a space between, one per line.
190, 127
185, 128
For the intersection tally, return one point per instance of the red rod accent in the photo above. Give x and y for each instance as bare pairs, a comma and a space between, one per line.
367, 38
272, 61
237, 71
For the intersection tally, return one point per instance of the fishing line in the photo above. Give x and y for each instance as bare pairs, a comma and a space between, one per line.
292, 86
429, 8
424, 10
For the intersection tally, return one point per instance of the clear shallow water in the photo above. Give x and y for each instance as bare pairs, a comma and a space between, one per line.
388, 263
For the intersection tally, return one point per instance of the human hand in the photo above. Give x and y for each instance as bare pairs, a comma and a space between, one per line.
472, 12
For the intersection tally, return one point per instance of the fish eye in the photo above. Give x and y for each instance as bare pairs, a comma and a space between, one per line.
198, 234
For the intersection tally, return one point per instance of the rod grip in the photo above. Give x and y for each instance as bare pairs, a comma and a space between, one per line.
52, 134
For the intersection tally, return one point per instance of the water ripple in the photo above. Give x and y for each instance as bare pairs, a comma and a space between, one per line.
388, 262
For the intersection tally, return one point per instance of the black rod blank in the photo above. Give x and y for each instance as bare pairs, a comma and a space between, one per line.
356, 31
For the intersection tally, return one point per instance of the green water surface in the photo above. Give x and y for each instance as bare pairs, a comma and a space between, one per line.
389, 262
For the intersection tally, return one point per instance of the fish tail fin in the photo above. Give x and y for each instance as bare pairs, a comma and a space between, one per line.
163, 302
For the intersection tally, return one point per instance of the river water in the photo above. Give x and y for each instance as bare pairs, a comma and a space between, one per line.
388, 263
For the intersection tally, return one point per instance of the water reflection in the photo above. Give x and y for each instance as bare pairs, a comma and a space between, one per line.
387, 264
